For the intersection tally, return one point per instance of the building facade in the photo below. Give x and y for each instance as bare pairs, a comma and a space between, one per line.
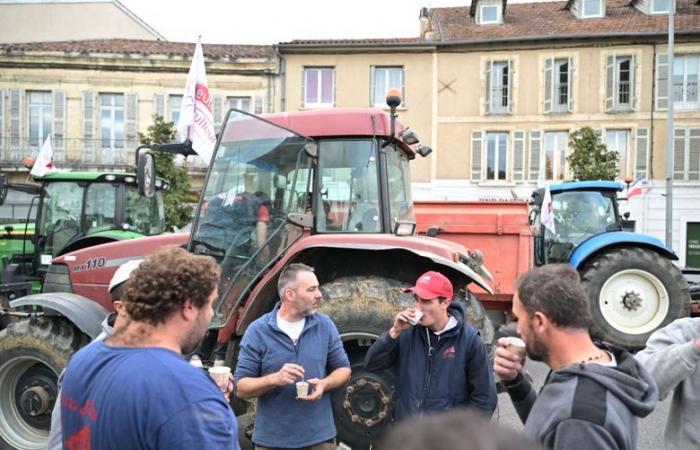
497, 90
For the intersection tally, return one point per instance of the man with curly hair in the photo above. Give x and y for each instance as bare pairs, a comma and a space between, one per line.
135, 390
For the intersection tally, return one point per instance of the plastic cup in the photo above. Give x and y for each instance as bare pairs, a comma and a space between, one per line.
417, 314
302, 389
220, 374
516, 345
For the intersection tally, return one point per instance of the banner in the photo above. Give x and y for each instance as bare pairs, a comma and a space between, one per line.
547, 213
44, 160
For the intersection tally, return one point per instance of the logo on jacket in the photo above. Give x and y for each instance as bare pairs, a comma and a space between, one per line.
449, 352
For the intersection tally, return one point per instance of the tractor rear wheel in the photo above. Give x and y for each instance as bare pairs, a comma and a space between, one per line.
363, 308
633, 292
33, 352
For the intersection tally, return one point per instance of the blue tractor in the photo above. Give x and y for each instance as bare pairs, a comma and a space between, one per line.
633, 285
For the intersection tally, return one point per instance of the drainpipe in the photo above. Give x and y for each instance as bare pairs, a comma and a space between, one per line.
283, 78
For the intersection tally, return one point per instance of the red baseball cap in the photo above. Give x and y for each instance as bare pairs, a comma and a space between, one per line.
432, 285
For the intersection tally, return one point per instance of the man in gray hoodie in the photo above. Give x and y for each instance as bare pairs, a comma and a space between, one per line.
672, 355
594, 393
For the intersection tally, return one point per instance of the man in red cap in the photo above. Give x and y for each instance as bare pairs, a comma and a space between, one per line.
439, 359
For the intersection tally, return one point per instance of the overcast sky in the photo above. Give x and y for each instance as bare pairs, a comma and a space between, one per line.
272, 21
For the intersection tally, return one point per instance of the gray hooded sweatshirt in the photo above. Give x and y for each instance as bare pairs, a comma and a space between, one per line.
589, 406
674, 362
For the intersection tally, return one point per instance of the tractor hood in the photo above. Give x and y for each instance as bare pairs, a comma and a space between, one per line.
442, 252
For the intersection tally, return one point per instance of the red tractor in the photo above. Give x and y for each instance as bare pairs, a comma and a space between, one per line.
327, 188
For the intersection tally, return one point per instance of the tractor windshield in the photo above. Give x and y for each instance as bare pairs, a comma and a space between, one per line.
578, 215
60, 216
144, 215
259, 175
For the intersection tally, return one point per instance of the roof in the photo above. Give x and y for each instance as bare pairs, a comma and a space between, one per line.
586, 186
143, 47
554, 20
373, 41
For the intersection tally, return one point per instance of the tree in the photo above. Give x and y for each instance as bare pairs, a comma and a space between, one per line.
590, 159
178, 212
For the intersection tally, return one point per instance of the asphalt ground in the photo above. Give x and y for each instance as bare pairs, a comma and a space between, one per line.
651, 428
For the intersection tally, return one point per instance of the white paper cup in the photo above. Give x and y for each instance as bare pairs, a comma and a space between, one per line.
220, 375
516, 345
417, 314
302, 389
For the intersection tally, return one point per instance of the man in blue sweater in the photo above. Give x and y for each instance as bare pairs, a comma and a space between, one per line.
441, 362
291, 343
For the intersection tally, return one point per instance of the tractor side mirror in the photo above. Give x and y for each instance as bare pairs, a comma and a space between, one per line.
3, 188
146, 174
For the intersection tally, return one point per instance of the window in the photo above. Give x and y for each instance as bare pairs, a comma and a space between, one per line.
555, 146
490, 14
618, 140
685, 81
660, 6
499, 87
112, 120
686, 154
40, 117
175, 106
557, 85
496, 156
242, 103
383, 79
619, 83
592, 8
319, 87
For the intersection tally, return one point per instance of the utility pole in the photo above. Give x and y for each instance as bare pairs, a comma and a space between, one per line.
669, 130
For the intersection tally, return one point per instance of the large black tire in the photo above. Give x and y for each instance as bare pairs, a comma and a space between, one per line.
362, 309
33, 352
632, 292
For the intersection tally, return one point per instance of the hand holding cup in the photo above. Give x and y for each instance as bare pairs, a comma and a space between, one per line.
509, 357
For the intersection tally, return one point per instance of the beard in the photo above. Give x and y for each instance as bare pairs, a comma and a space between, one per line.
192, 339
536, 349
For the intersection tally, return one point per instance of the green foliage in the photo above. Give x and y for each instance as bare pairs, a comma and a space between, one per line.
177, 210
590, 159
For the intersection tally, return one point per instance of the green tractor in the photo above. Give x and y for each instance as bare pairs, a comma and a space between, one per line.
73, 210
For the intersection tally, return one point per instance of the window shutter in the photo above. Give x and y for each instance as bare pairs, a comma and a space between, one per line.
610, 84
535, 154
58, 140
15, 123
371, 86
2, 124
218, 111
159, 105
642, 162
679, 153
548, 86
132, 109
258, 104
694, 154
570, 88
89, 140
633, 83
489, 69
662, 81
510, 86
476, 155
518, 156
333, 87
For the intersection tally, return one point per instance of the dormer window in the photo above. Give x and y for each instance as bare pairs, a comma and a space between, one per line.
489, 14
592, 8
660, 6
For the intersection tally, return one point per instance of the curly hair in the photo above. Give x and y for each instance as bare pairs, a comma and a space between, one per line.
165, 280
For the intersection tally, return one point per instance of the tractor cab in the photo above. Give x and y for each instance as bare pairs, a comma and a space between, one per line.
581, 210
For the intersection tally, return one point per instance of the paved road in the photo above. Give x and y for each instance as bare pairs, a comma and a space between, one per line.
651, 428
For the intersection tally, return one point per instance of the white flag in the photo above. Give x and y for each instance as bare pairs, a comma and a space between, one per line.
547, 212
44, 160
196, 118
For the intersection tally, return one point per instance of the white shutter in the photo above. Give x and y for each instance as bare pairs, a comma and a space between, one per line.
518, 156
570, 88
218, 110
489, 70
693, 154
476, 155
58, 140
258, 104
633, 83
679, 153
89, 138
548, 86
642, 155
159, 105
371, 86
511, 73
15, 123
535, 154
610, 84
131, 127
662, 73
